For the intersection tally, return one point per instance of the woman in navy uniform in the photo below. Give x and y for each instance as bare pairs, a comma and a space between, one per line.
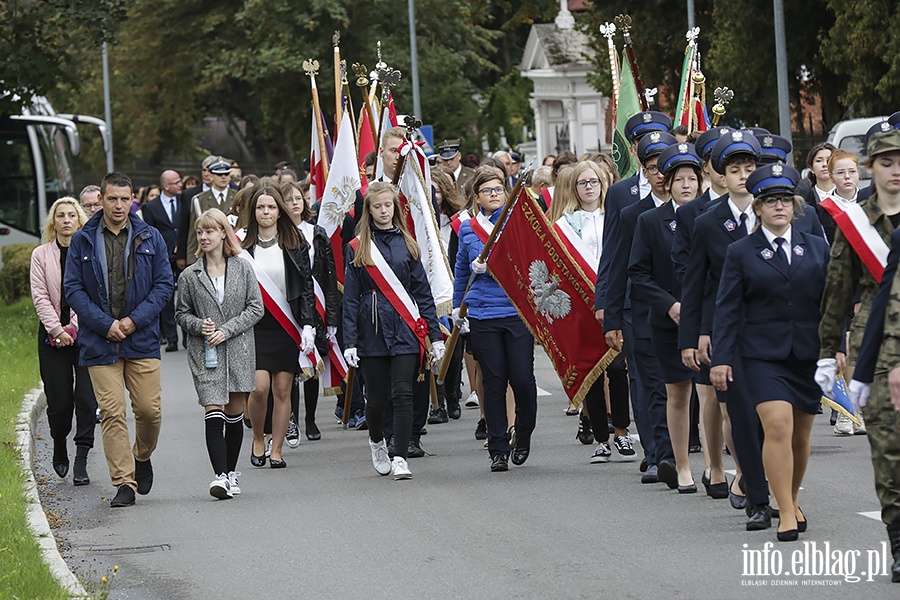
653, 282
767, 316
376, 337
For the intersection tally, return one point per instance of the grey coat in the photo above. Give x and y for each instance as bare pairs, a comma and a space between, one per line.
235, 317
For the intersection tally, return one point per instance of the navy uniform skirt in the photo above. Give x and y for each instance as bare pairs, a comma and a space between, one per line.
789, 379
665, 344
276, 350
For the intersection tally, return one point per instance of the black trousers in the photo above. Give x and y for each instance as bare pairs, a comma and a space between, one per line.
389, 379
450, 390
69, 392
421, 399
746, 432
504, 349
639, 399
655, 392
595, 400
168, 330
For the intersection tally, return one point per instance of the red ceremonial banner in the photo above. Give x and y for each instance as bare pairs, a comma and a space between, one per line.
552, 294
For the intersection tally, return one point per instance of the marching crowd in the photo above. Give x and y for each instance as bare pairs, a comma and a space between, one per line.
722, 275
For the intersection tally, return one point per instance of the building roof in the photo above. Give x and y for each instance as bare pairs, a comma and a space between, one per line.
549, 47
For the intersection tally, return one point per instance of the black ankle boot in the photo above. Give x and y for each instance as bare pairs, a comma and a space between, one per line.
894, 536
79, 469
60, 458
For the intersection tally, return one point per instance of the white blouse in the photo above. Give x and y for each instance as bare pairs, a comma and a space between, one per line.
271, 261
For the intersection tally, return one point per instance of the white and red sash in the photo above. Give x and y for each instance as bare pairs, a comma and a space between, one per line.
458, 219
335, 367
577, 248
482, 227
862, 236
390, 286
278, 305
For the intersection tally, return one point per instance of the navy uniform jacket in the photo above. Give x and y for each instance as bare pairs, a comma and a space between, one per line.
653, 281
867, 356
766, 311
618, 196
714, 230
684, 232
619, 290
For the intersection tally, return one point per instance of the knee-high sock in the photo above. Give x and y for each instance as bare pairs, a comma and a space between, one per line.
234, 436
310, 398
215, 440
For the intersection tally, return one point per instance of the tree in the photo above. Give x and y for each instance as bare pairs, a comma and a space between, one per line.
35, 39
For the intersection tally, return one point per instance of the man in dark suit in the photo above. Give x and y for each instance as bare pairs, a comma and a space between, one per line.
187, 198
164, 213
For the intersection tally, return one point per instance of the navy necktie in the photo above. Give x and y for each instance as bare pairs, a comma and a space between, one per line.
744, 224
781, 254
172, 209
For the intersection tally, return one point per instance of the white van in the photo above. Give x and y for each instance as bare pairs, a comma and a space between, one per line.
851, 136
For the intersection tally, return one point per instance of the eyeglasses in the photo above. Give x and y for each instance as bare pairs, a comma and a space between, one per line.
849, 173
91, 205
588, 183
652, 169
491, 191
783, 201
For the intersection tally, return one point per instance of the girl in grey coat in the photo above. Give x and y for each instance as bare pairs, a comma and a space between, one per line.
218, 304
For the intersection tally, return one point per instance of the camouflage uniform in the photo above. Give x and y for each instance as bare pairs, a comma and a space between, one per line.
846, 273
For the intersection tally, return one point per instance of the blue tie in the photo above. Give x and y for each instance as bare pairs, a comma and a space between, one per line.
781, 254
744, 224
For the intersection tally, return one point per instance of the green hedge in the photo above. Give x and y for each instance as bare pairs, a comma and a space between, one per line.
15, 275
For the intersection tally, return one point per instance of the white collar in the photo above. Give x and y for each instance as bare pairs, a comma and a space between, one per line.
786, 236
713, 194
751, 217
656, 201
163, 196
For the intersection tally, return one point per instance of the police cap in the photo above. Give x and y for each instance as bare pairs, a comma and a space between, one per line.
678, 155
736, 142
772, 180
645, 122
654, 143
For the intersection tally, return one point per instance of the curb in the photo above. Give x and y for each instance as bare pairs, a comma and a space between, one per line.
32, 405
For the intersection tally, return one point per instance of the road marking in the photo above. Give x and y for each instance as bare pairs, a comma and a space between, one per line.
543, 392
875, 514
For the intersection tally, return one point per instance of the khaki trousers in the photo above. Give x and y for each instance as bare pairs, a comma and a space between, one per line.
141, 377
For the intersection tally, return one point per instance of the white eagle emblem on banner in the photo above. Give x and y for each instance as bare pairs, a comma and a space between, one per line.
550, 301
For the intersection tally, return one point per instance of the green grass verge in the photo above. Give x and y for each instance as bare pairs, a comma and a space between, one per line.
23, 573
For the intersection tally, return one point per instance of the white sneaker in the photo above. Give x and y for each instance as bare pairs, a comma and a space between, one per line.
861, 428
220, 488
400, 469
602, 454
472, 400
380, 459
233, 482
269, 448
843, 426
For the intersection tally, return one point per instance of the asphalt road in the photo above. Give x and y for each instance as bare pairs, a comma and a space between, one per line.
558, 527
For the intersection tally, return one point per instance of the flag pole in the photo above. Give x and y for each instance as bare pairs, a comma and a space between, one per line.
362, 82
311, 66
338, 87
464, 307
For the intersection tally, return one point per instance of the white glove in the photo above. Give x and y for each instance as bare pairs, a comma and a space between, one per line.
859, 394
351, 357
331, 333
826, 373
464, 327
478, 267
307, 339
437, 351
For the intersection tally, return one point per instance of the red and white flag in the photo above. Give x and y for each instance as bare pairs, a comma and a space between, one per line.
552, 294
388, 120
366, 144
339, 193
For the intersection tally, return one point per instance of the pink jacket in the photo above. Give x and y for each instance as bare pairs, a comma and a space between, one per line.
46, 282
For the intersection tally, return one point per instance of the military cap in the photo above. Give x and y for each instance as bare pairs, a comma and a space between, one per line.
756, 131
209, 160
894, 120
678, 155
448, 149
708, 139
220, 167
771, 180
879, 127
645, 122
879, 143
654, 143
773, 148
736, 142
515, 157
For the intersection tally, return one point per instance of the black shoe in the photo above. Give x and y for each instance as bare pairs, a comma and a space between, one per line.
312, 432
247, 423
60, 458
481, 430
257, 461
802, 525
718, 491
415, 448
521, 451
760, 517
833, 418
79, 471
453, 409
143, 474
585, 434
499, 462
687, 489
124, 497
791, 535
276, 464
571, 412
695, 449
172, 347
894, 537
438, 415
667, 474
643, 466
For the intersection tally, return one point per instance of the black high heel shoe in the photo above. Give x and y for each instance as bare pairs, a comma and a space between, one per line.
801, 525
737, 502
791, 535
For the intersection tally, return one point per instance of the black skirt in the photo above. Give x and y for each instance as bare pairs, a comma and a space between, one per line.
275, 349
789, 379
665, 344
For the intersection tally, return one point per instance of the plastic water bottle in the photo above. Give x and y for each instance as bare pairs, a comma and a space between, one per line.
212, 356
